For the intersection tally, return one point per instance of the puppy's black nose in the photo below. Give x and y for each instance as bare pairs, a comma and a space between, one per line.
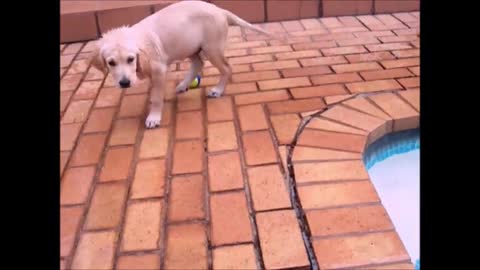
124, 83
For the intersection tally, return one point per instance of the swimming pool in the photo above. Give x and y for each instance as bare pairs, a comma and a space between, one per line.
393, 163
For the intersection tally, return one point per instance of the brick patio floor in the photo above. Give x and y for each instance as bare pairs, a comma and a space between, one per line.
268, 176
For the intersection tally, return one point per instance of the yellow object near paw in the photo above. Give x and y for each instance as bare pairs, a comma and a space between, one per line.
195, 83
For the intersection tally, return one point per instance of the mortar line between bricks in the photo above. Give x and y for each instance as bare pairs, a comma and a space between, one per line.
351, 234
244, 169
294, 196
206, 182
98, 167
168, 179
129, 180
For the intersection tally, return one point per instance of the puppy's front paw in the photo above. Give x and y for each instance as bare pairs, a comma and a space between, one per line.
214, 93
153, 120
181, 88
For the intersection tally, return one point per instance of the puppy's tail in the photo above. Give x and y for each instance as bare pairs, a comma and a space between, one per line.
235, 20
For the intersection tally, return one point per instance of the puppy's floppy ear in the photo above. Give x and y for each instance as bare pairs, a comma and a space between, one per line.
97, 60
143, 65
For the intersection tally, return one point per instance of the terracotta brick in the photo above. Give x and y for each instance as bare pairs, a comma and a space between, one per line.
327, 60
353, 29
344, 50
117, 164
315, 45
330, 171
380, 33
407, 53
188, 157
290, 40
77, 111
78, 66
149, 179
252, 117
388, 47
309, 32
373, 86
332, 140
358, 41
221, 136
284, 83
70, 82
76, 184
261, 97
335, 78
259, 148
63, 264
94, 74
389, 39
349, 21
250, 59
133, 105
271, 49
88, 150
336, 99
410, 82
407, 62
68, 135
299, 72
225, 172
219, 109
292, 26
64, 156
363, 104
108, 97
139, 262
357, 219
142, 226
235, 69
124, 131
251, 11
238, 52
95, 251
186, 247
66, 60
386, 74
268, 188
318, 91
100, 120
295, 106
108, 19
234, 257
369, 57
191, 100
189, 125
276, 65
87, 90
154, 143
337, 194
301, 153
394, 266
255, 76
187, 198
237, 88
297, 54
64, 99
359, 250
281, 240
282, 10
405, 117
415, 70
229, 218
69, 221
167, 114
285, 127
349, 7
343, 68
325, 124
375, 126
246, 44
412, 97
109, 82
333, 36
105, 210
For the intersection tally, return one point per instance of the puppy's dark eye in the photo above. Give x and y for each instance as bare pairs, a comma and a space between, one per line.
112, 63
130, 59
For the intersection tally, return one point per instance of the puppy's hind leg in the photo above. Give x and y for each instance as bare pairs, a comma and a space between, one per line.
218, 59
195, 69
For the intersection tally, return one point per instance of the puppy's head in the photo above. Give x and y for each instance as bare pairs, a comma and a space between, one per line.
119, 53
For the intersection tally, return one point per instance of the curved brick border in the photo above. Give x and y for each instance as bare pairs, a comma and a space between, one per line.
347, 224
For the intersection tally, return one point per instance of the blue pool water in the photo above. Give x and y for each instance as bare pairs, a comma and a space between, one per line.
393, 163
